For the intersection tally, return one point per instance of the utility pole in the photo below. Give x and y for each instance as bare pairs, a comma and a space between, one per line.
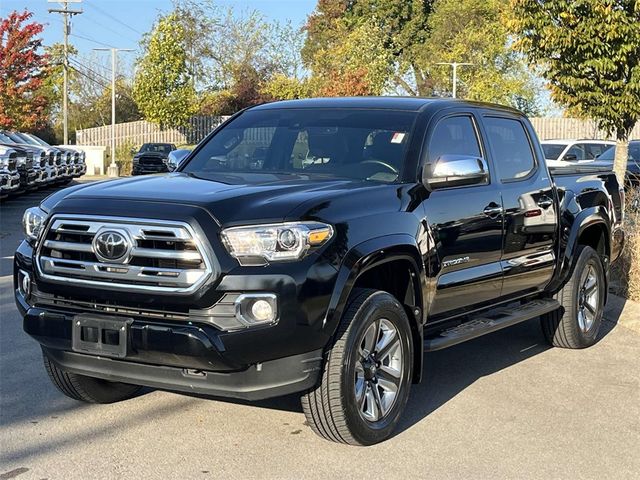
455, 66
66, 14
113, 168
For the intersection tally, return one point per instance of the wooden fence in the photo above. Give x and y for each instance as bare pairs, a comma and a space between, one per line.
137, 133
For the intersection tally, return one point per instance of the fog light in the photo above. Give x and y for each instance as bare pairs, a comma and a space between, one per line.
24, 283
262, 311
256, 308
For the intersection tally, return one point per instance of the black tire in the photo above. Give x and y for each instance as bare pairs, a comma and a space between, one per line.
331, 408
564, 327
88, 389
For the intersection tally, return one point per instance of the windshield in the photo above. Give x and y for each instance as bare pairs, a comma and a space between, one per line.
15, 137
26, 139
36, 140
6, 139
634, 153
552, 150
155, 147
348, 143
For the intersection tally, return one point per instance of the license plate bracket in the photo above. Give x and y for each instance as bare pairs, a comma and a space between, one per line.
101, 335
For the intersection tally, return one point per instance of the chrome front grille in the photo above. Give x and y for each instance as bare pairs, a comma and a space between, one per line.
13, 163
163, 257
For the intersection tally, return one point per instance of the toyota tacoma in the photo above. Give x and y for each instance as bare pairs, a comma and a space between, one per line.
318, 247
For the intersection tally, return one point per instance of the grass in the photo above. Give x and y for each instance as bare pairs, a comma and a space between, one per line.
625, 273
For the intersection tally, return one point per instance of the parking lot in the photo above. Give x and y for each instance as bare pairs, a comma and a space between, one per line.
502, 406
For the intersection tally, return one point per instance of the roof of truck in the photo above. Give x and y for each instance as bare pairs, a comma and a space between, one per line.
392, 103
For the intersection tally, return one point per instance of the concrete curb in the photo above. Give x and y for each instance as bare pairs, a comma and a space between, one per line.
623, 311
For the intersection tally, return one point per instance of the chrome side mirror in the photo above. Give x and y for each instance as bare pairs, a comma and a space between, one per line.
175, 158
455, 171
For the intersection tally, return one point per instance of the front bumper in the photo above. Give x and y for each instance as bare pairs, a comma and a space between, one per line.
9, 182
64, 172
45, 175
139, 169
28, 179
79, 170
269, 379
164, 352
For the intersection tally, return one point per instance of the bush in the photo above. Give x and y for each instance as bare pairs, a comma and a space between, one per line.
124, 157
625, 273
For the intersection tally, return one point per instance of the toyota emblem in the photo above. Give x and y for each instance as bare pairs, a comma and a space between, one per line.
111, 246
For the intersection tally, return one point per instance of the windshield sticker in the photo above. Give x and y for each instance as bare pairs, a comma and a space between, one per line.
397, 137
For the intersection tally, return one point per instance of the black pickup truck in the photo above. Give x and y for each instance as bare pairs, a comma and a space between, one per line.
152, 158
318, 247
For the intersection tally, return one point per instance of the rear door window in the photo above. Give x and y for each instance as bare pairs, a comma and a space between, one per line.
577, 152
594, 150
511, 147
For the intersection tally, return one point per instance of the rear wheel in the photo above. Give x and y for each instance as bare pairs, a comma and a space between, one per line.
88, 389
577, 323
367, 373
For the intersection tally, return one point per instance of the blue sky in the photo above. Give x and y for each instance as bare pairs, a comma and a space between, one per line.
121, 23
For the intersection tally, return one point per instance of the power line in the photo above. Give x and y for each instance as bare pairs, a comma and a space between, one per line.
107, 27
90, 40
79, 58
99, 75
106, 14
75, 69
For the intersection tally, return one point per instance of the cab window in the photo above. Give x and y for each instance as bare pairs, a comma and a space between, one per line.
511, 147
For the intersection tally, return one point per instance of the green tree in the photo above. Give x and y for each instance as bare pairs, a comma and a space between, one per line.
163, 89
589, 52
476, 31
89, 93
396, 27
354, 63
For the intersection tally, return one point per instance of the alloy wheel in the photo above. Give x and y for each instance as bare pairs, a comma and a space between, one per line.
379, 370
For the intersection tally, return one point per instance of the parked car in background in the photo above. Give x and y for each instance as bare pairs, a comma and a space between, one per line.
633, 162
29, 166
9, 176
48, 165
72, 162
574, 151
152, 158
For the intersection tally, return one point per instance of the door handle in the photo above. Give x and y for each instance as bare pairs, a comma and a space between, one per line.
545, 202
492, 209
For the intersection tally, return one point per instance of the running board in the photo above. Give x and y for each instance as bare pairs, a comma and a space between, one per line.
489, 322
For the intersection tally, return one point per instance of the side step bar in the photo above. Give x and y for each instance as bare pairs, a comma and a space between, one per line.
489, 322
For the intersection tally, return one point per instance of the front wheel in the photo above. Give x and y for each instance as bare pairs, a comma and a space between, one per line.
577, 323
367, 373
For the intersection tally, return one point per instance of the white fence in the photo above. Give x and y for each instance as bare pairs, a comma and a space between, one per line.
137, 133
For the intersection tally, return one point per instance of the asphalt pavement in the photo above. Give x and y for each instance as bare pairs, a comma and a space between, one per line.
502, 406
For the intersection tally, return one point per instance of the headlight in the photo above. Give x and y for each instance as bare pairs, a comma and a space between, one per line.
32, 222
275, 242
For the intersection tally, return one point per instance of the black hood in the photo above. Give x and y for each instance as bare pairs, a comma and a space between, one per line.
231, 200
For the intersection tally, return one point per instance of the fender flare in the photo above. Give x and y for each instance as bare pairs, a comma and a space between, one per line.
370, 254
587, 218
